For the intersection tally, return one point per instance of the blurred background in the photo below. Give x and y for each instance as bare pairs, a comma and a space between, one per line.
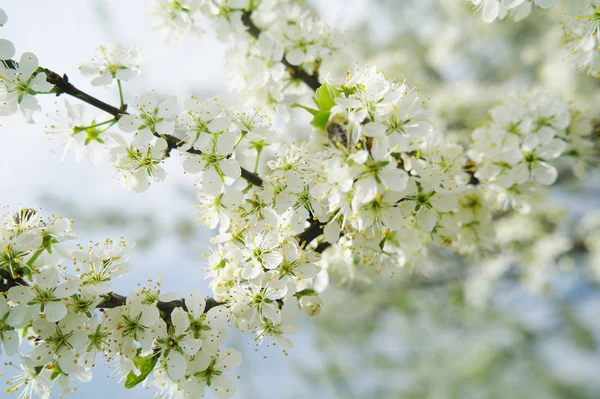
529, 331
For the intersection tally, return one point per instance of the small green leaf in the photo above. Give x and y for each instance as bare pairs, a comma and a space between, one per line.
324, 97
145, 364
311, 110
305, 292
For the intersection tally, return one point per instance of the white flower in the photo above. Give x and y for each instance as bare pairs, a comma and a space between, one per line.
112, 62
97, 270
207, 327
258, 300
209, 371
275, 330
19, 86
34, 384
261, 251
132, 323
46, 298
176, 343
153, 118
78, 132
538, 150
201, 118
139, 162
297, 264
216, 209
215, 163
64, 343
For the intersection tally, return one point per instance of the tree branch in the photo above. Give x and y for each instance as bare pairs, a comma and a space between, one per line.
114, 300
296, 71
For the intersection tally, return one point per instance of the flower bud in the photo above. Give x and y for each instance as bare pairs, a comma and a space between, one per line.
311, 304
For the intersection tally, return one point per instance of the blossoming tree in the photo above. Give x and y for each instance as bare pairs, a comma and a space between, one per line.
375, 183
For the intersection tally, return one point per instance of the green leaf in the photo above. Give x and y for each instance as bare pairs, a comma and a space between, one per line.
311, 110
145, 364
324, 97
320, 120
305, 292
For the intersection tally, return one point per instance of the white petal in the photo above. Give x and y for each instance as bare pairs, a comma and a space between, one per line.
366, 189
544, 174
226, 142
55, 311
176, 366
229, 360
223, 386
231, 168
7, 49
147, 102
295, 56
193, 164
491, 9
219, 124
129, 123
27, 65
426, 219
168, 108
165, 127
11, 342
374, 129
211, 182
180, 319
332, 232
195, 303
190, 346
102, 80
394, 179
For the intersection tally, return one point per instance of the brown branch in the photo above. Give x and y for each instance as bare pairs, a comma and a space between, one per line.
295, 71
114, 300
313, 231
63, 85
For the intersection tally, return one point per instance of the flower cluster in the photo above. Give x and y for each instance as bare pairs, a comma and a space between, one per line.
49, 316
517, 149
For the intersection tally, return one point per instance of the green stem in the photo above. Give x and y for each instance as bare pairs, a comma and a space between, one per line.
82, 128
244, 133
35, 256
120, 92
258, 152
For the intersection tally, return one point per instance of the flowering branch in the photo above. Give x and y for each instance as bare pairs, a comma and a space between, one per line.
63, 86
